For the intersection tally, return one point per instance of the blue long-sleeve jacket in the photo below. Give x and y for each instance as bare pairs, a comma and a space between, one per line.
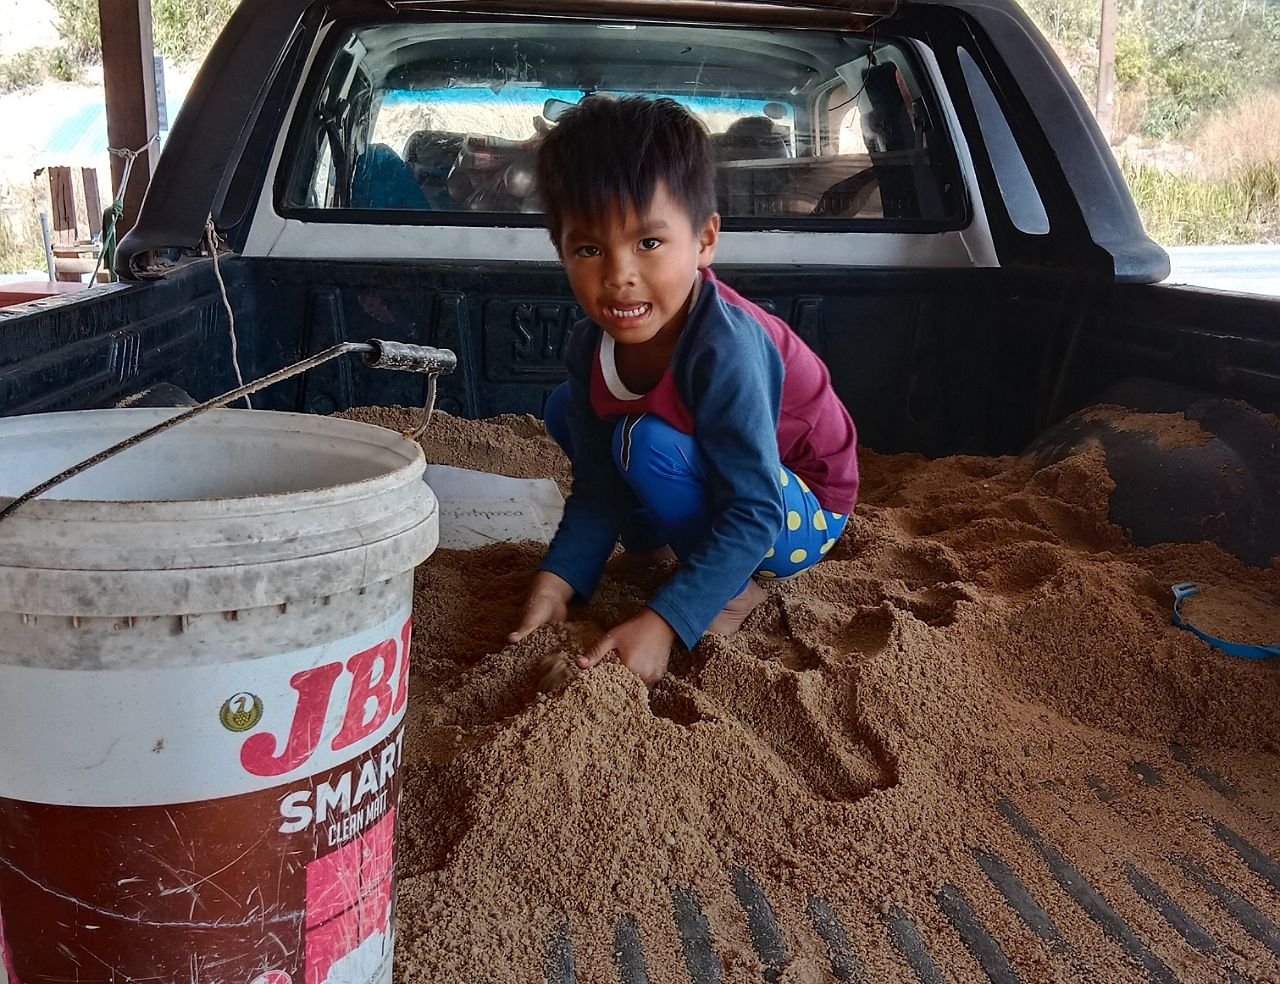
729, 373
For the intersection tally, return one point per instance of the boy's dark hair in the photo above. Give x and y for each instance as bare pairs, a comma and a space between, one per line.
606, 154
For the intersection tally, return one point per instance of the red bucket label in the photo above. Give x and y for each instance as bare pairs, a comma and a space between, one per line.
281, 872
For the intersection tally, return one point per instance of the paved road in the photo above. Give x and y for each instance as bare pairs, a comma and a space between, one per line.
1252, 269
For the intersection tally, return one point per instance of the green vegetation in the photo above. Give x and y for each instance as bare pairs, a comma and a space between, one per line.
1232, 193
1176, 60
31, 67
21, 248
1182, 209
1205, 75
183, 30
20, 70
78, 25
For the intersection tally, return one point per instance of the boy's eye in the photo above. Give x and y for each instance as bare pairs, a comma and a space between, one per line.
587, 251
648, 244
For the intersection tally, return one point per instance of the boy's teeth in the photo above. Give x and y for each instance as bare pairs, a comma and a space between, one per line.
633, 312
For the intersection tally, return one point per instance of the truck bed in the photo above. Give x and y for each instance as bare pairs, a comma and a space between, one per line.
969, 745
1089, 847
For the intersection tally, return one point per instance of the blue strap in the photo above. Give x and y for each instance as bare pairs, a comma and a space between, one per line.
1185, 590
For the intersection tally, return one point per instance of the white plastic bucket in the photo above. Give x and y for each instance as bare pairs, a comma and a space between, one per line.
204, 648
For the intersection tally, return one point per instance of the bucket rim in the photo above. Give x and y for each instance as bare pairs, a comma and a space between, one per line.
412, 468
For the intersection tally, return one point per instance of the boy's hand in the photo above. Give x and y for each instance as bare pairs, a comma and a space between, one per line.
549, 597
643, 645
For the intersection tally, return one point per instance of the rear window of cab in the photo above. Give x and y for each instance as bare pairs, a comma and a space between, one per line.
437, 123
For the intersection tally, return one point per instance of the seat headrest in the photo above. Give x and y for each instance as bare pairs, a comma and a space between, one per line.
431, 149
749, 139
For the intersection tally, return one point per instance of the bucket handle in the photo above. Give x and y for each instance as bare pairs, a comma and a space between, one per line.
377, 354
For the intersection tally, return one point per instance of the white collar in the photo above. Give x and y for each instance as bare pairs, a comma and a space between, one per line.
609, 368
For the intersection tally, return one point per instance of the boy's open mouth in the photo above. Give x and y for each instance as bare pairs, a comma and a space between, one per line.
629, 313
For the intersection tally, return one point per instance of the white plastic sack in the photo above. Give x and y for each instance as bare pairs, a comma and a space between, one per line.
478, 508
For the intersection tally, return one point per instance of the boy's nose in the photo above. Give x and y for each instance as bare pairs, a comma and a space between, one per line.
619, 271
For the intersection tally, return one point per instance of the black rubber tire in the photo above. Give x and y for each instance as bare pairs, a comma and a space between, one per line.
1226, 491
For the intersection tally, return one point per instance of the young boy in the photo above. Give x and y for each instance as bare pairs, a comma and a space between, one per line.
694, 419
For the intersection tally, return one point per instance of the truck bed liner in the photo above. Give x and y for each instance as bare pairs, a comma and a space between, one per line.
1248, 896
943, 754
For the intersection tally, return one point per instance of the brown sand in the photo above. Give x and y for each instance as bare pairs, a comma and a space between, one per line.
980, 631
1168, 430
511, 444
1235, 615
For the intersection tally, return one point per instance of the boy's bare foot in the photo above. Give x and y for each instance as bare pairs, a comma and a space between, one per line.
735, 613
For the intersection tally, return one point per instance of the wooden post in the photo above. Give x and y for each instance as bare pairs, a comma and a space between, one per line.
92, 200
62, 198
1106, 101
129, 77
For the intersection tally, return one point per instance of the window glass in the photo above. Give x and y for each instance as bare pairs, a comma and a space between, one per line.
851, 139
1017, 187
446, 118
322, 187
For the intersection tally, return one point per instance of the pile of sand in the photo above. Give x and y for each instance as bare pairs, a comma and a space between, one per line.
980, 630
1248, 616
1166, 430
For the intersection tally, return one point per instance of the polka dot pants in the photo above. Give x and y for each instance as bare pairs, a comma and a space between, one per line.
666, 470
808, 532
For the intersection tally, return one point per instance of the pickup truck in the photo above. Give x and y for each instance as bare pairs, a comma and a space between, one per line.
917, 187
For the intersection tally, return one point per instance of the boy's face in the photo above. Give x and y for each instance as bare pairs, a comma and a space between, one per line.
635, 273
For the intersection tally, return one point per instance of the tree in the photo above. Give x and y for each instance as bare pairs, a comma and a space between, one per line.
1106, 96
78, 25
1180, 59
